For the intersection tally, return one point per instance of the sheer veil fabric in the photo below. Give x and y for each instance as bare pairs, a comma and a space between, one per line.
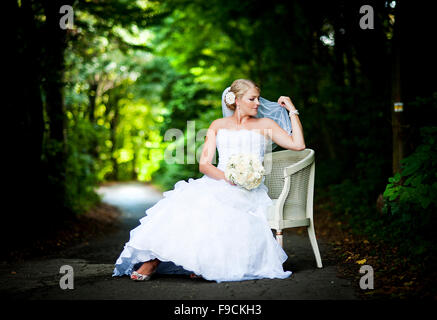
266, 109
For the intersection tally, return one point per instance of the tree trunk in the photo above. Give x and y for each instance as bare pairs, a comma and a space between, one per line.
339, 49
92, 96
53, 85
397, 117
113, 106
23, 107
134, 162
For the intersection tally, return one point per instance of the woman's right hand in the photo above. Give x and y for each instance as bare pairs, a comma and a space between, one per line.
230, 182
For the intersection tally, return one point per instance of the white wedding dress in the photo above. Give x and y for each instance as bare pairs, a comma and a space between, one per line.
210, 227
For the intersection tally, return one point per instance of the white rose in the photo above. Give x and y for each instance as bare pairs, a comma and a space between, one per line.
230, 97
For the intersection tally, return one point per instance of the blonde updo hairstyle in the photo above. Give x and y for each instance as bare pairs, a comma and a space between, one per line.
239, 87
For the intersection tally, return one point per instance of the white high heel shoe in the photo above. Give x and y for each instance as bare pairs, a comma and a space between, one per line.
141, 277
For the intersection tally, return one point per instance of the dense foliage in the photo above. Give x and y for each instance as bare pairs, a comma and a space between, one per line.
411, 205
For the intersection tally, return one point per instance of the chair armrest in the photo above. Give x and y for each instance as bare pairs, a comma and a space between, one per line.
288, 171
279, 205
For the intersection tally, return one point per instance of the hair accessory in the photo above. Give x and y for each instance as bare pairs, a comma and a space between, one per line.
230, 97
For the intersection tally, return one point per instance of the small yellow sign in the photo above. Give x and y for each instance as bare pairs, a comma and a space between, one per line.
398, 106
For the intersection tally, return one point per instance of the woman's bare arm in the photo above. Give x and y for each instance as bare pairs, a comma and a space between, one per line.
280, 136
208, 151
294, 142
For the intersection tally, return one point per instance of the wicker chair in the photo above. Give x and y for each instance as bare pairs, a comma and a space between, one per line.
290, 180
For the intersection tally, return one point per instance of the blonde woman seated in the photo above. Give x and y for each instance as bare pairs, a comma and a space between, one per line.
210, 226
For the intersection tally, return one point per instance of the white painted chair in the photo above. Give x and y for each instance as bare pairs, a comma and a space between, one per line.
290, 180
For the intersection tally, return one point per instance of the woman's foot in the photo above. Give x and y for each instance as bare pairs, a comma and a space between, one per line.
146, 270
140, 277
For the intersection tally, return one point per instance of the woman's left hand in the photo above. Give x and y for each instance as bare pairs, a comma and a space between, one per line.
286, 103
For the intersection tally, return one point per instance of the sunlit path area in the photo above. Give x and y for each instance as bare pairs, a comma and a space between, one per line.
133, 198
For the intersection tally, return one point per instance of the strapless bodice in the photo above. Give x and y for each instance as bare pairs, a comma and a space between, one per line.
231, 142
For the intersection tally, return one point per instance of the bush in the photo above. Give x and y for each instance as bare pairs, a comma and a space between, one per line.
408, 218
410, 202
81, 178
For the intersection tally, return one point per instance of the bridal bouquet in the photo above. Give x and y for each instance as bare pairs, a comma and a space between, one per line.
245, 170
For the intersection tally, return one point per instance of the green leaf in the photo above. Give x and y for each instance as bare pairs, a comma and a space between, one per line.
425, 202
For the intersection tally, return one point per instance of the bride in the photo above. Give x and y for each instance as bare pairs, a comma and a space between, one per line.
209, 226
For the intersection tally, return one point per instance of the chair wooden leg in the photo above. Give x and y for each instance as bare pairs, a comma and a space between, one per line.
279, 237
313, 240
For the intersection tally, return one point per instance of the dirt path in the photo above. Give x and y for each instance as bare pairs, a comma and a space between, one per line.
93, 264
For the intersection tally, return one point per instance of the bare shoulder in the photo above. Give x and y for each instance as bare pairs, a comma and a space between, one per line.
266, 123
218, 123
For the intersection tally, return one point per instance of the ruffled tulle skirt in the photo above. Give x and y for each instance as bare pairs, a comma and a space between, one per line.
211, 228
